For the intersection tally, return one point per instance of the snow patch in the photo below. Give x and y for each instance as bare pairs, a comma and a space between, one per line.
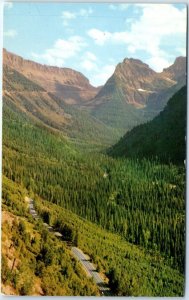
145, 91
171, 80
141, 90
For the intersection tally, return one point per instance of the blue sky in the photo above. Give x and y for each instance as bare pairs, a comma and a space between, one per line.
94, 38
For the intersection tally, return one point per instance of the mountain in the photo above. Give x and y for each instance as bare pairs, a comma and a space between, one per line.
69, 85
136, 81
163, 137
133, 95
136, 93
84, 193
28, 98
177, 71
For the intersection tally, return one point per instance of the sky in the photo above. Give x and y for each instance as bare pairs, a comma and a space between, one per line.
94, 38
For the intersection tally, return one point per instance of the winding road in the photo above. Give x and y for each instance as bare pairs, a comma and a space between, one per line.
87, 266
91, 271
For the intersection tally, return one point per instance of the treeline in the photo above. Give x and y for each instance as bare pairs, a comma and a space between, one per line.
142, 200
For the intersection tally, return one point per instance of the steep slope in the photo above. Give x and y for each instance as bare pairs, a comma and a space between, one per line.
34, 261
131, 270
163, 137
177, 71
69, 85
136, 93
125, 201
44, 265
117, 194
136, 80
23, 96
133, 94
30, 98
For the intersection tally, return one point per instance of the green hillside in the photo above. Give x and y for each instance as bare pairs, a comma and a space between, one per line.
131, 270
163, 137
34, 261
44, 265
140, 200
128, 214
118, 114
27, 98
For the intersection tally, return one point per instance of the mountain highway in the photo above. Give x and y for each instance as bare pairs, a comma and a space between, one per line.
91, 270
87, 266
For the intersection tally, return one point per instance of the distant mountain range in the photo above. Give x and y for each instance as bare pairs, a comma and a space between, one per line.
133, 95
163, 137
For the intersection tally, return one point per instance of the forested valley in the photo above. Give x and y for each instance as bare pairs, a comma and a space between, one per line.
126, 211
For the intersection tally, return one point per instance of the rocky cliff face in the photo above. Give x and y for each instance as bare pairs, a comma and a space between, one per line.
69, 85
26, 99
135, 93
137, 82
23, 95
177, 71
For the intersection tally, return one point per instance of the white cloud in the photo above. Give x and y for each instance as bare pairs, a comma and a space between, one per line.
85, 12
89, 61
156, 23
61, 50
129, 20
90, 55
158, 63
10, 33
68, 15
123, 6
97, 72
88, 65
131, 49
102, 75
99, 37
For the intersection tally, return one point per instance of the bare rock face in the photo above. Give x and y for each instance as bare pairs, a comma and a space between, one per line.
69, 85
132, 95
137, 82
177, 71
135, 93
23, 95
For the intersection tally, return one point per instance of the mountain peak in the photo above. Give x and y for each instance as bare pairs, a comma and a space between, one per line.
135, 86
176, 71
69, 85
180, 59
17, 62
134, 61
133, 67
